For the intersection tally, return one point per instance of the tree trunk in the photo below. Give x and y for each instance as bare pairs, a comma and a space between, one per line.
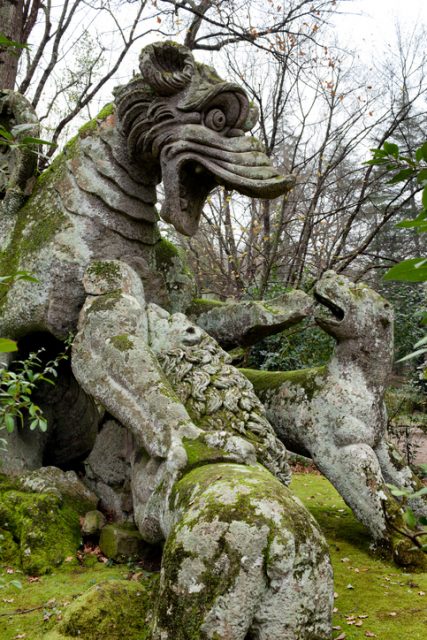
11, 21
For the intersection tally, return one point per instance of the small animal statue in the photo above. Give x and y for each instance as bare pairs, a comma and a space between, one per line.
336, 414
242, 557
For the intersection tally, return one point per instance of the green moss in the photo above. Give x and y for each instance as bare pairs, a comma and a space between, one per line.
47, 600
120, 542
309, 379
93, 124
203, 305
44, 529
199, 453
105, 269
122, 342
117, 609
387, 595
165, 252
106, 302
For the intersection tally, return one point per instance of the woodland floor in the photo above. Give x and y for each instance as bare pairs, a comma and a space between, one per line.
374, 599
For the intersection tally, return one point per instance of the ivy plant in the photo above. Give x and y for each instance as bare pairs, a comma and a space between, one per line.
405, 168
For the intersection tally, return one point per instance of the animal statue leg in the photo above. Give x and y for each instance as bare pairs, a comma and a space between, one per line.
354, 471
242, 560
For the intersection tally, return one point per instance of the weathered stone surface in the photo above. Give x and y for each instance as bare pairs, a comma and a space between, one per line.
121, 542
336, 413
242, 556
16, 110
93, 522
245, 323
107, 470
62, 484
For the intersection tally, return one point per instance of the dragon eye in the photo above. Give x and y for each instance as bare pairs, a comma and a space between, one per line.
216, 119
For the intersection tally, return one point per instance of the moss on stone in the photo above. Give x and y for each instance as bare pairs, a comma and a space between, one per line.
199, 453
122, 342
93, 124
203, 305
105, 269
115, 609
309, 379
121, 542
106, 302
44, 528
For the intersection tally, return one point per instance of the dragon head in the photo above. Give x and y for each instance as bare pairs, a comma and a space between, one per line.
183, 116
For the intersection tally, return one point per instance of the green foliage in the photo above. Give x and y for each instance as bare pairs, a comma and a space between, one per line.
16, 388
404, 169
415, 527
301, 348
6, 43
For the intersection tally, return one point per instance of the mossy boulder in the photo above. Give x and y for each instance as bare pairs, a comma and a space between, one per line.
39, 522
121, 542
114, 609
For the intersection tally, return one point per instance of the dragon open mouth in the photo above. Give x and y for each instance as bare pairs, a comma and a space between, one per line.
329, 311
195, 164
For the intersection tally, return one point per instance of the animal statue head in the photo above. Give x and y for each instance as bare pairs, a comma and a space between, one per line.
351, 310
184, 117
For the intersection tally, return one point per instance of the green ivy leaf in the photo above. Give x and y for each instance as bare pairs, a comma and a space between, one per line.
402, 176
410, 519
413, 270
391, 149
421, 153
7, 346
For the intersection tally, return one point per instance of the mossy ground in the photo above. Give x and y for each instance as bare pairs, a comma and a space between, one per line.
392, 599
46, 599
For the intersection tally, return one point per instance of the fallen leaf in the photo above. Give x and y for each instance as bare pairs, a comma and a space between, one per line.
349, 586
337, 628
369, 634
345, 559
359, 624
421, 593
335, 595
393, 614
342, 636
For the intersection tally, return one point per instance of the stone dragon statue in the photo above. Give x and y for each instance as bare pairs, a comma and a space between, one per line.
242, 558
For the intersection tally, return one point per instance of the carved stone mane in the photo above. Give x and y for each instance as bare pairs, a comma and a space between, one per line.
213, 391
